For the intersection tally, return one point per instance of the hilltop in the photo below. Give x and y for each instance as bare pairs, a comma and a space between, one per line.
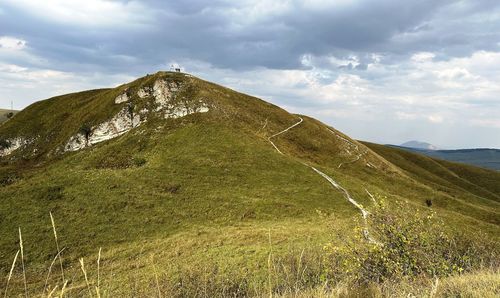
191, 172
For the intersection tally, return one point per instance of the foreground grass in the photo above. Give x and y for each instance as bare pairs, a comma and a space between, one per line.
412, 256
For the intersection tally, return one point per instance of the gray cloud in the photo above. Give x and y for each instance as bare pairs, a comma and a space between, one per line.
343, 55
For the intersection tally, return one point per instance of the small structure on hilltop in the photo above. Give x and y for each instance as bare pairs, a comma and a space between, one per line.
175, 68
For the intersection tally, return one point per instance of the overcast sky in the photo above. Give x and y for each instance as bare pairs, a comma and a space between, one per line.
386, 71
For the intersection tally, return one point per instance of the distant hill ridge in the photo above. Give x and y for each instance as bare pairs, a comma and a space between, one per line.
419, 145
482, 157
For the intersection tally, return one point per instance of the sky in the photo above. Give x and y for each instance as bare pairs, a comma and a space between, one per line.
386, 71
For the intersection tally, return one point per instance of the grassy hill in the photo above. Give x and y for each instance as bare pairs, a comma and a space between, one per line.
4, 114
485, 158
191, 178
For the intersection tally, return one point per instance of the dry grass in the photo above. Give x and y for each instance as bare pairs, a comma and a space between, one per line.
299, 274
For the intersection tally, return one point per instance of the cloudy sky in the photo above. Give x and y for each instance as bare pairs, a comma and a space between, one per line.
386, 71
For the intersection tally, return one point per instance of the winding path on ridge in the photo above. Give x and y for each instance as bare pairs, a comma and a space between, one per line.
346, 194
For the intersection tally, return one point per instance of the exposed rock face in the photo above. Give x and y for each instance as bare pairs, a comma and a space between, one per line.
76, 142
177, 112
163, 93
118, 125
122, 98
144, 92
14, 144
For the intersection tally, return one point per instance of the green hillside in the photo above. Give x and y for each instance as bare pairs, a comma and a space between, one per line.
171, 171
5, 114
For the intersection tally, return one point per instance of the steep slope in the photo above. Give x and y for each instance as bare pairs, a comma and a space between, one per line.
6, 114
190, 171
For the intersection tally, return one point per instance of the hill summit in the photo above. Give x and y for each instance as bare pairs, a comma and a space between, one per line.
188, 170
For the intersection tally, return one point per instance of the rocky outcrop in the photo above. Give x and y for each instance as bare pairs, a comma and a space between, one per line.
12, 145
144, 92
177, 112
122, 98
117, 126
163, 93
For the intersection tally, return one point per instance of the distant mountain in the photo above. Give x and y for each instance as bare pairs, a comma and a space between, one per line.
419, 145
4, 114
481, 157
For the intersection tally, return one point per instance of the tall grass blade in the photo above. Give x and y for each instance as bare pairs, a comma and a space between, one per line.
85, 275
156, 277
269, 261
52, 292
50, 270
22, 262
63, 288
57, 245
10, 273
98, 272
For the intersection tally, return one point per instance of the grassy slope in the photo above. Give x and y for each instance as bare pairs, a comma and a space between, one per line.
211, 187
3, 114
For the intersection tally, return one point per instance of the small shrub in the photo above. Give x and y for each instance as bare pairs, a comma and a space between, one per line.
138, 161
51, 193
4, 144
86, 131
410, 245
173, 189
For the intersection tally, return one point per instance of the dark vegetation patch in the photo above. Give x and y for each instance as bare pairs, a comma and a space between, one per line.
172, 188
50, 193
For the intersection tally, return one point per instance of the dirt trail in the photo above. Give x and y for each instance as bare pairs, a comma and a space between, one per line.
347, 195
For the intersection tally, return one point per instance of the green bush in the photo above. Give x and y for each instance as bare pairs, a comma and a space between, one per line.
4, 144
408, 244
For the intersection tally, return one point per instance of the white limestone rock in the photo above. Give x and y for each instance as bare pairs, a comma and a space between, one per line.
163, 92
122, 98
117, 126
14, 144
75, 143
144, 92
178, 112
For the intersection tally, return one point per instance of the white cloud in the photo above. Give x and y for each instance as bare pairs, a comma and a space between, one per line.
12, 43
435, 118
87, 13
423, 57
490, 123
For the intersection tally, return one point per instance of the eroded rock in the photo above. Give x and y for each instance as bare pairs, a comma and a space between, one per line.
163, 92
12, 145
122, 98
117, 126
144, 92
